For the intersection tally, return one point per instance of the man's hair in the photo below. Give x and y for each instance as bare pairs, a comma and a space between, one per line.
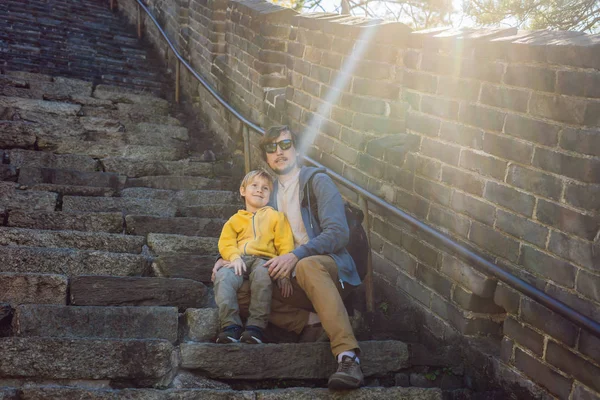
272, 134
257, 173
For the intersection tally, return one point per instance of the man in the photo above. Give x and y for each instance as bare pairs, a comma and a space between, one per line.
320, 268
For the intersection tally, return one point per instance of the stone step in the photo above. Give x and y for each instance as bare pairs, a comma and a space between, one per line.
139, 168
185, 198
71, 262
380, 393
67, 190
125, 205
160, 243
96, 322
40, 159
136, 291
12, 198
146, 134
32, 176
148, 362
114, 243
18, 134
171, 182
125, 113
209, 211
61, 221
288, 360
145, 224
41, 106
33, 288
103, 149
117, 95
188, 266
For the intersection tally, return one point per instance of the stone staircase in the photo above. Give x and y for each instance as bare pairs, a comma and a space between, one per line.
108, 229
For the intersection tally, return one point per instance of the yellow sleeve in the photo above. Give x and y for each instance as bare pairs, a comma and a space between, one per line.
284, 238
228, 243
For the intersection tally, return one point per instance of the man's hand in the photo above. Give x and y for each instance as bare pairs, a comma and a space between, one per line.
282, 266
285, 285
239, 266
218, 265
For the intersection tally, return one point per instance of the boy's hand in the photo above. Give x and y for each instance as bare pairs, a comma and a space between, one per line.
218, 265
285, 285
238, 265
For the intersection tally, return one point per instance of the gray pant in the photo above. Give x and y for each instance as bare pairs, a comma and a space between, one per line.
227, 284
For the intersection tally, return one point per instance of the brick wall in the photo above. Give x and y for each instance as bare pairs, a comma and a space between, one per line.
491, 136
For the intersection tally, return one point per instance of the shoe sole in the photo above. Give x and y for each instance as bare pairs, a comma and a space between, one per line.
251, 340
228, 340
343, 383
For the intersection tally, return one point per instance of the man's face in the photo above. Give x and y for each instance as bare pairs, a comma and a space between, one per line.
282, 161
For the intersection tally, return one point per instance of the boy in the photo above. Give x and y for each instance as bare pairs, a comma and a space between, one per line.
248, 240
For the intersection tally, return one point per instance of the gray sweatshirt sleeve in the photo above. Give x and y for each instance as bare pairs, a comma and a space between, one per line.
335, 233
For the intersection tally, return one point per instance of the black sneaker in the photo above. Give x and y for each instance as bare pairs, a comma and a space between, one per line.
253, 335
230, 334
348, 375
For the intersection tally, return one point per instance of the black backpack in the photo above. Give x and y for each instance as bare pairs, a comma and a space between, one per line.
358, 244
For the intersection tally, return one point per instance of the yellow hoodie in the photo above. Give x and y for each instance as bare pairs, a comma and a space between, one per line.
266, 233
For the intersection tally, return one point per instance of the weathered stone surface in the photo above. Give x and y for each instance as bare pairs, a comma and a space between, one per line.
51, 107
39, 159
67, 190
188, 266
31, 176
186, 198
8, 173
287, 361
171, 182
364, 393
163, 243
200, 325
19, 134
144, 224
209, 211
124, 205
71, 239
8, 394
33, 288
70, 262
96, 322
13, 199
138, 168
119, 96
148, 362
56, 220
110, 149
469, 277
5, 310
72, 393
158, 134
67, 88
187, 380
98, 124
130, 291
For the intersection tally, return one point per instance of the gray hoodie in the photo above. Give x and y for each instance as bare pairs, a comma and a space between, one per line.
331, 235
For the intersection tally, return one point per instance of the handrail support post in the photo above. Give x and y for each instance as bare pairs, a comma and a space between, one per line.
177, 81
112, 5
246, 136
364, 206
139, 21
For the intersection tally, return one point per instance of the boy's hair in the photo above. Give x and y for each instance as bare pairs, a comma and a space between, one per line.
257, 173
273, 133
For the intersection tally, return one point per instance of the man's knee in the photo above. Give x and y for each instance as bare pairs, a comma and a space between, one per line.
307, 267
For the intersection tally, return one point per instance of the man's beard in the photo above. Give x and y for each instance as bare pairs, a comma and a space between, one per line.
286, 170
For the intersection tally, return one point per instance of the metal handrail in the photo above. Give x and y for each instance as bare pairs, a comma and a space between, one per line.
365, 196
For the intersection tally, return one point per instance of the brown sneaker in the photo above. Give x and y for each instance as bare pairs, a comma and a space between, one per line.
348, 375
313, 333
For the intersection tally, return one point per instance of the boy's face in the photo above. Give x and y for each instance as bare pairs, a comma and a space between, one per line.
256, 193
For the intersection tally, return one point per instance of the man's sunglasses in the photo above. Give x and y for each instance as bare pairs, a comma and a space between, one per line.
283, 145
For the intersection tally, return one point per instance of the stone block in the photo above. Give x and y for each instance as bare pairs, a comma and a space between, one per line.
463, 322
148, 362
510, 198
524, 336
589, 345
588, 285
40, 106
504, 97
96, 322
165, 243
171, 182
570, 110
473, 207
583, 196
287, 361
548, 321
433, 280
535, 182
469, 277
469, 301
582, 169
539, 79
578, 83
494, 241
200, 325
126, 205
522, 228
578, 251
542, 374
573, 365
145, 224
462, 134
135, 291
549, 267
56, 220
507, 298
449, 220
439, 107
441, 151
30, 200
481, 117
422, 124
138, 168
421, 82
21, 288
507, 148
70, 262
483, 164
567, 220
531, 129
584, 141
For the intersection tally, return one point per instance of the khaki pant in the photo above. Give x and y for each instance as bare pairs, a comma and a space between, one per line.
227, 284
316, 287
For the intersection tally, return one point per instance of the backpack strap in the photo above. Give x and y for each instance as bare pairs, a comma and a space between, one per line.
310, 200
